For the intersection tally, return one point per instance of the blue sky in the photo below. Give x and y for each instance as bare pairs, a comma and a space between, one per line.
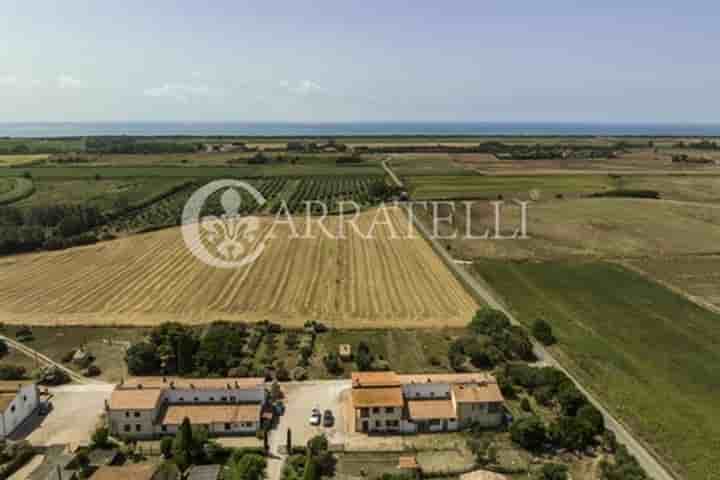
366, 60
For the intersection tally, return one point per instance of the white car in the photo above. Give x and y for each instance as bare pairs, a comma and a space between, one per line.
315, 419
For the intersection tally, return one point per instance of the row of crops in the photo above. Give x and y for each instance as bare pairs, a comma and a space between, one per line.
294, 192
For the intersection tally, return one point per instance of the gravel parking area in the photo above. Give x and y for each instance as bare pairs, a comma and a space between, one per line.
75, 414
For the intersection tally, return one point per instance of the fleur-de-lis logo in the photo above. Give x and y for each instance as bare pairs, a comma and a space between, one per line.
230, 240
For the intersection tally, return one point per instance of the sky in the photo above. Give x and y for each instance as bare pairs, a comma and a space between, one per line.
323, 61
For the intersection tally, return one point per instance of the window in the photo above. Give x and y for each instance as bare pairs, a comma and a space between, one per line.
378, 423
212, 399
127, 428
232, 398
376, 409
137, 414
181, 399
223, 399
392, 423
24, 398
196, 399
364, 412
127, 414
138, 427
164, 428
432, 394
12, 409
228, 426
389, 410
493, 407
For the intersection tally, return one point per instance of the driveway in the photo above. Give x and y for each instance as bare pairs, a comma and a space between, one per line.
75, 414
300, 399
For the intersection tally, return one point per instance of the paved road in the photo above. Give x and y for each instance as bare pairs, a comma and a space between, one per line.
22, 348
649, 462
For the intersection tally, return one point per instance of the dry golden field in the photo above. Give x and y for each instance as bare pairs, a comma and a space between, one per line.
151, 278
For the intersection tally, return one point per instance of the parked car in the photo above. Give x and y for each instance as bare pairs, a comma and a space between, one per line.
315, 417
328, 419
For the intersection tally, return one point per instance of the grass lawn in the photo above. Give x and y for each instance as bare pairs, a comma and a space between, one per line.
650, 354
406, 351
55, 342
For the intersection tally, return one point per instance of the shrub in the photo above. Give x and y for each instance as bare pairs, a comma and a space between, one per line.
553, 471
12, 372
100, 437
525, 405
333, 364
570, 398
92, 371
528, 432
542, 331
571, 433
588, 413
166, 445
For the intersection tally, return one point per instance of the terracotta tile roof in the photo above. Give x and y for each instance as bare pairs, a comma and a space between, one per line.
126, 472
5, 400
488, 393
409, 463
207, 414
13, 386
429, 409
375, 379
482, 475
451, 378
198, 383
134, 399
377, 397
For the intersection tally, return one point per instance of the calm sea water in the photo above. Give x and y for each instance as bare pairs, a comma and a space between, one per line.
350, 129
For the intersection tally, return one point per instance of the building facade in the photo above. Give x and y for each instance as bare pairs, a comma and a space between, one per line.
18, 400
149, 407
385, 402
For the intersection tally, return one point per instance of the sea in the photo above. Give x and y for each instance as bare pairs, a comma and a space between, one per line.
328, 129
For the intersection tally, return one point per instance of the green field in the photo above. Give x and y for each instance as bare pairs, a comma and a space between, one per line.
511, 186
15, 189
651, 355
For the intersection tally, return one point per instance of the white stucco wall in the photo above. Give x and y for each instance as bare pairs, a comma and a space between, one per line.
25, 403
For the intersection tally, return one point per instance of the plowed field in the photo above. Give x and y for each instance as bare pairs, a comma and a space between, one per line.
151, 278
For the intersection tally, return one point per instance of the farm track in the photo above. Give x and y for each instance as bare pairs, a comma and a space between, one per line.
149, 278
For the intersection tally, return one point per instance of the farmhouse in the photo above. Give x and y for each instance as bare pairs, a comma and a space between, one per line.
390, 403
148, 407
18, 400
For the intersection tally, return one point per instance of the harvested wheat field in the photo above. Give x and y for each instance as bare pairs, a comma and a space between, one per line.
151, 278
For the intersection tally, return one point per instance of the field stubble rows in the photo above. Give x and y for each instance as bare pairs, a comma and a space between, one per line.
147, 279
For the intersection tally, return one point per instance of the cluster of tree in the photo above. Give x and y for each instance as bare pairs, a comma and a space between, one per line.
380, 191
543, 332
701, 145
624, 466
549, 151
627, 193
132, 145
367, 361
219, 349
316, 462
50, 227
494, 340
579, 422
12, 372
349, 159
191, 446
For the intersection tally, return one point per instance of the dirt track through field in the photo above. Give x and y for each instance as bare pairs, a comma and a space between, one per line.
147, 279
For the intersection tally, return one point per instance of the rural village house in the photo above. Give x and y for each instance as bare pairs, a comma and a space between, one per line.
149, 407
385, 402
18, 400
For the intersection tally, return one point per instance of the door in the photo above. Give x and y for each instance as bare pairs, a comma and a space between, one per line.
364, 425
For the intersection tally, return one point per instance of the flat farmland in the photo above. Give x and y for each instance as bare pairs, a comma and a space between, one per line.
589, 227
651, 355
696, 276
151, 278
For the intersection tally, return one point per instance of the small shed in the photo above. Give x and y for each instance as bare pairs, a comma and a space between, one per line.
345, 351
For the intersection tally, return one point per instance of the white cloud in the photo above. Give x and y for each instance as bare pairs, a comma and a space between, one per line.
179, 92
303, 87
68, 81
